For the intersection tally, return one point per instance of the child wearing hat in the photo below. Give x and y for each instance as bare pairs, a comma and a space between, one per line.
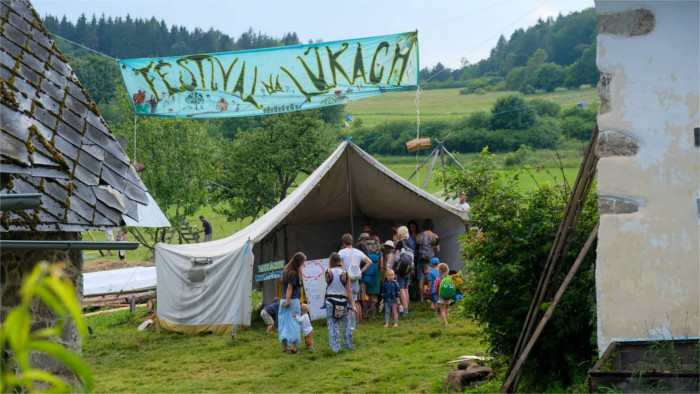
432, 275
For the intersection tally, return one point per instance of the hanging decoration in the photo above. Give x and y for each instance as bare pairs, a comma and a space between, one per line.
274, 80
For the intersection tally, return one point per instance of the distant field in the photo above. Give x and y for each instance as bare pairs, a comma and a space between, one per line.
445, 105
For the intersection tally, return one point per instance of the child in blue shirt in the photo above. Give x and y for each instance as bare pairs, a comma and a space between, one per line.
390, 294
269, 315
432, 275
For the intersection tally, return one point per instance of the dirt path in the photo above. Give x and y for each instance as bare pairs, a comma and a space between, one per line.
95, 265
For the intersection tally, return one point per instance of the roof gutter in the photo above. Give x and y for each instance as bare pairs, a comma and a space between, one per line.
11, 244
19, 202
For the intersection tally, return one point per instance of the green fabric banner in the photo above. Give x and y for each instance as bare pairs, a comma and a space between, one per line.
274, 80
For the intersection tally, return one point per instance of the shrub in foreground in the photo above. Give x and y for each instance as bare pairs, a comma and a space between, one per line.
504, 262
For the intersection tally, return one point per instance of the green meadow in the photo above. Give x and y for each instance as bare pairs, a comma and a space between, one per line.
447, 105
409, 358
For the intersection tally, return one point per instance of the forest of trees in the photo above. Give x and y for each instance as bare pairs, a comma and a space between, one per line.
554, 53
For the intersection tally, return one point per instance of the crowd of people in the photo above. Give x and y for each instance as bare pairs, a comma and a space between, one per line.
363, 279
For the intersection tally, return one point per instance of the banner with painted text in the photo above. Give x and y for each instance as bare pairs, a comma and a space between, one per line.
273, 80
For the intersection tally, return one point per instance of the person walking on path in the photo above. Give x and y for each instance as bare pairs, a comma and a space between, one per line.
110, 238
339, 297
206, 228
288, 327
122, 236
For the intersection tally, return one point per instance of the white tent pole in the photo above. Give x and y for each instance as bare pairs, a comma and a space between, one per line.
240, 296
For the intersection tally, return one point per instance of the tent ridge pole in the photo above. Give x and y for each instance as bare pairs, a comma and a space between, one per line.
349, 189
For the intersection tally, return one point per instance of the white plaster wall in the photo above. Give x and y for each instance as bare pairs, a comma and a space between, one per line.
648, 267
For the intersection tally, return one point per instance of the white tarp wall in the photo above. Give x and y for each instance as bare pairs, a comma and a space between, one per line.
201, 286
349, 190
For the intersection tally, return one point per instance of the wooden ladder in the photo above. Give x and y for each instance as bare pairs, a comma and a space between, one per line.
186, 234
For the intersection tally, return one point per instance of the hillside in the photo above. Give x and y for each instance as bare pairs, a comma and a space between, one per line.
447, 105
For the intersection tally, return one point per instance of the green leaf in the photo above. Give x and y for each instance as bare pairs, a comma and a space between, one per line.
66, 293
49, 298
59, 386
71, 360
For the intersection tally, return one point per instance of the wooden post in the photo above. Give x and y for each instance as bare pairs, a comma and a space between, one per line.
510, 379
92, 237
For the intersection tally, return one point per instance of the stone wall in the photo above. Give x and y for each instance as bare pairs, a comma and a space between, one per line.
15, 264
648, 263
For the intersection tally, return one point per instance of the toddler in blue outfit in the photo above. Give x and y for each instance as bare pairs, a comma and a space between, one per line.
390, 295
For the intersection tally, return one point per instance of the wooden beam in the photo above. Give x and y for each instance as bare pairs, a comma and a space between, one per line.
421, 165
508, 384
430, 170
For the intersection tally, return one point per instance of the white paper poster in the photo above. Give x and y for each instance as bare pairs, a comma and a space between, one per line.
312, 273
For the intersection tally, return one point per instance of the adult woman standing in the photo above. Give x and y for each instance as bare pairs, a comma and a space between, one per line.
427, 247
404, 280
338, 301
288, 327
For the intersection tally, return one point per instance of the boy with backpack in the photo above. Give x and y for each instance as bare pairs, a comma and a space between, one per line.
446, 291
432, 277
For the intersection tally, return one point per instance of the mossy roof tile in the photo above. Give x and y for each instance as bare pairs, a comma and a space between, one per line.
14, 123
73, 120
52, 90
85, 176
102, 220
70, 134
113, 179
85, 192
80, 207
132, 210
110, 197
90, 163
68, 150
14, 149
14, 34
10, 47
136, 193
39, 51
19, 22
44, 116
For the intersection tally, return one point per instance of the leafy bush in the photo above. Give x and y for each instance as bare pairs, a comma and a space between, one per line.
544, 107
511, 112
577, 122
517, 157
504, 262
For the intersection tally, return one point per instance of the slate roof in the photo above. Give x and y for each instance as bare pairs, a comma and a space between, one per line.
52, 138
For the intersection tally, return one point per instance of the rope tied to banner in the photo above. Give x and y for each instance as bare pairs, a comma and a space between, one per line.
135, 117
418, 92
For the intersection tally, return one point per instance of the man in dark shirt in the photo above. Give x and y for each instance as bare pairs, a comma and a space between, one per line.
206, 227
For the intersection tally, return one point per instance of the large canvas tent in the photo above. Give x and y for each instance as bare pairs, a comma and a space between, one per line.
202, 287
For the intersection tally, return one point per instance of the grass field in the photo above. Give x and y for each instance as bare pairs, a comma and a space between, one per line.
447, 105
408, 358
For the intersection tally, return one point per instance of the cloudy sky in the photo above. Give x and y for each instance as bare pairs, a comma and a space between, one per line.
447, 30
